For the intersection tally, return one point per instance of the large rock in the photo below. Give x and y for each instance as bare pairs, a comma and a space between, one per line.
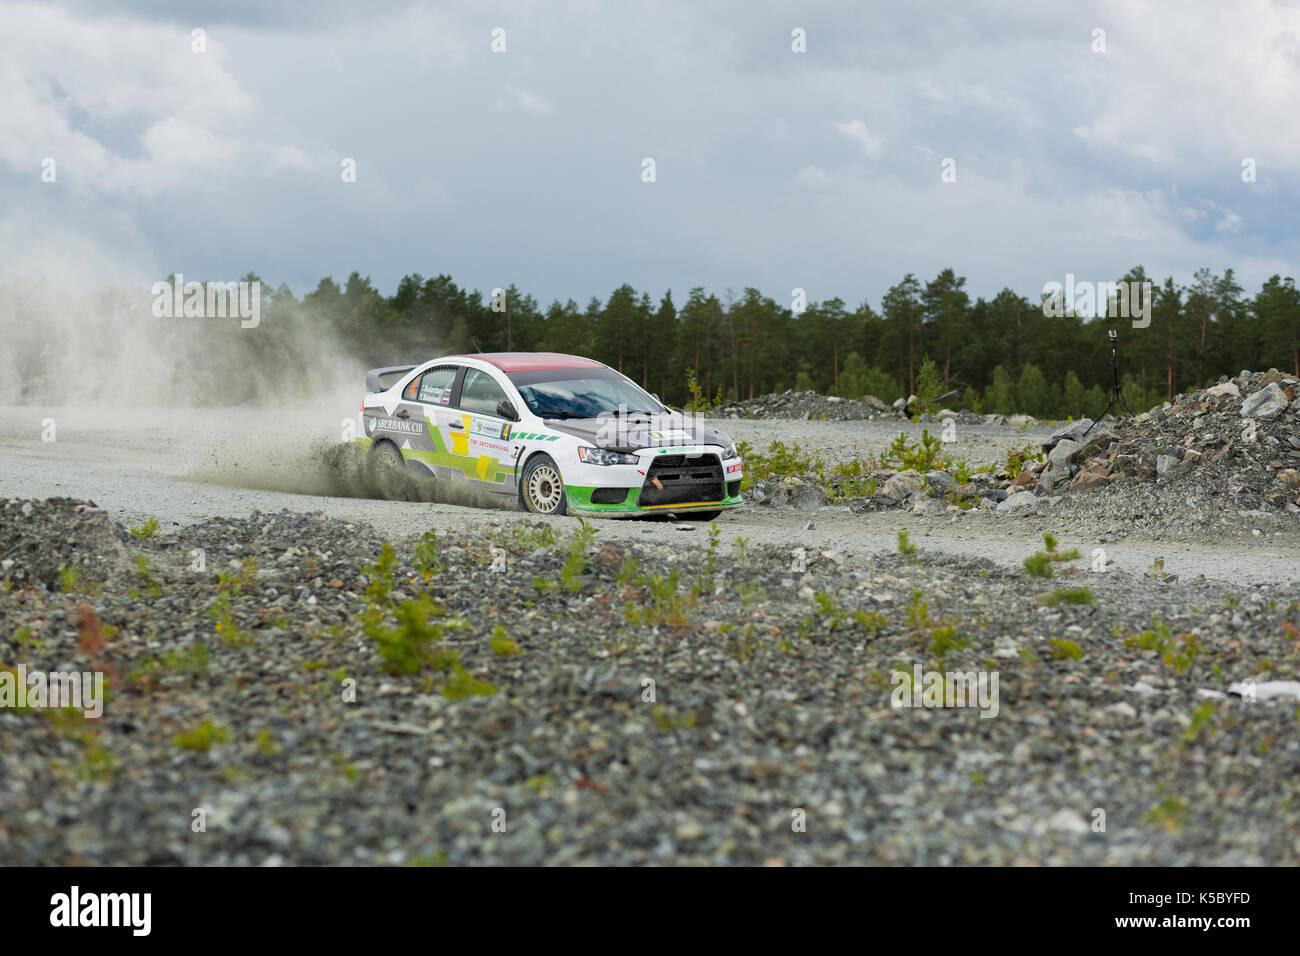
904, 484
1073, 432
939, 481
1224, 390
1063, 452
790, 492
1269, 402
1019, 501
1088, 480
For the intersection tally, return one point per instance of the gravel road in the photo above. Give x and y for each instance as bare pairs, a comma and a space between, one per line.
186, 465
515, 693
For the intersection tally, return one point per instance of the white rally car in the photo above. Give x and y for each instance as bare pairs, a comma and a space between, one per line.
560, 433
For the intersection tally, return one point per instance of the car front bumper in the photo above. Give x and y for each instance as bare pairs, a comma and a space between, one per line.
668, 480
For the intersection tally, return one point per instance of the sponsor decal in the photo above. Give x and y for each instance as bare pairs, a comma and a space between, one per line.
492, 446
732, 469
397, 425
489, 428
533, 436
672, 434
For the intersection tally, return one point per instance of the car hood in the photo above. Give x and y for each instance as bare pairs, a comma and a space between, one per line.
627, 434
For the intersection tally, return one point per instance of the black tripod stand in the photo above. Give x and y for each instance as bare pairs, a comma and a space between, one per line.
1116, 396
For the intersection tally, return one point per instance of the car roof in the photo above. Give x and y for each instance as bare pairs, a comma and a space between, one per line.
531, 361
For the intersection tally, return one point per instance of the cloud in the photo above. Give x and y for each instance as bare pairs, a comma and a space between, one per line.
526, 100
857, 131
126, 108
812, 176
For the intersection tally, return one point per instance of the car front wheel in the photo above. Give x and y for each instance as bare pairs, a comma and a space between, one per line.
543, 488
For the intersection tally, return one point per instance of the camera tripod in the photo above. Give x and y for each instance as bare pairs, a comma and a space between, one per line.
1116, 395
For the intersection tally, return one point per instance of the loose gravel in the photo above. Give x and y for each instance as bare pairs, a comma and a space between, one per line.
624, 699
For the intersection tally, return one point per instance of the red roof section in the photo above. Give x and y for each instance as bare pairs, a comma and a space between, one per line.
529, 361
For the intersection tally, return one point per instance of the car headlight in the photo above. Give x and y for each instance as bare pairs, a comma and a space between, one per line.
730, 452
603, 456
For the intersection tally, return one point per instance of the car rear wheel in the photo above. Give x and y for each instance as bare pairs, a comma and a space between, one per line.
543, 488
386, 458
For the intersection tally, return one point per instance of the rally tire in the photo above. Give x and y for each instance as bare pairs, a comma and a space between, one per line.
385, 458
542, 488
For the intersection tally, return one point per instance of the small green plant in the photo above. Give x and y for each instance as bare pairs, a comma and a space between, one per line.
944, 640
380, 583
709, 574
906, 548
1202, 721
834, 615
1176, 652
924, 455
1053, 554
1169, 814
203, 736
1068, 596
222, 612
740, 547
147, 530
577, 563
69, 579
503, 646
266, 744
1018, 458
146, 576
462, 684
1157, 571
427, 563
742, 643
918, 611
413, 644
666, 605
780, 461
529, 537
1039, 565
665, 719
1064, 650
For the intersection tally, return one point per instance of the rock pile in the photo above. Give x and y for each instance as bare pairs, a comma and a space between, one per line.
807, 406
812, 406
1233, 447
1237, 441
58, 542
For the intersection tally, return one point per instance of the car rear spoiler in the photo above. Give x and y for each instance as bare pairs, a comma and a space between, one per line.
391, 374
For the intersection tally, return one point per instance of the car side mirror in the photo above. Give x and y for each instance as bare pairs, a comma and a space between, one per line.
507, 411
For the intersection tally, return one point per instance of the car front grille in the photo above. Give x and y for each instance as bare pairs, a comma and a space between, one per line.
683, 480
609, 496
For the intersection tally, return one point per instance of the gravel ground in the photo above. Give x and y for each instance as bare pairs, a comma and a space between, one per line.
772, 686
772, 703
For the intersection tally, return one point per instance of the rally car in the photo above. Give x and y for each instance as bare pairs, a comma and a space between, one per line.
560, 433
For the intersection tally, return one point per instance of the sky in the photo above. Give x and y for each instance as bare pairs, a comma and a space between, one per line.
1068, 150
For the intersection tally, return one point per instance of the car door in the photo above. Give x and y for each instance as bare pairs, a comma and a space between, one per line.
433, 391
477, 432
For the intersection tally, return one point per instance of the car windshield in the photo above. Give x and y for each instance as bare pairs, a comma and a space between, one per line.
581, 393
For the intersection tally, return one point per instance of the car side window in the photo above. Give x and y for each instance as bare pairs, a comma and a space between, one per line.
480, 393
434, 386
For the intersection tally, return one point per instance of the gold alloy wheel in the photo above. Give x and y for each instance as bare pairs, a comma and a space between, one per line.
544, 490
